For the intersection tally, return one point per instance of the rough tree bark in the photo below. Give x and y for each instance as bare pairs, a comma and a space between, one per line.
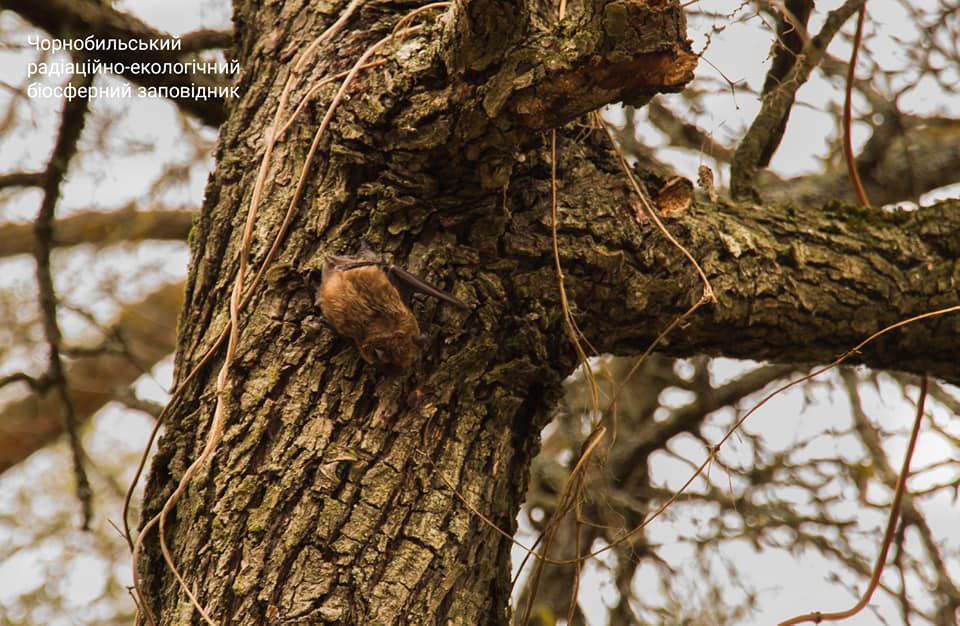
326, 500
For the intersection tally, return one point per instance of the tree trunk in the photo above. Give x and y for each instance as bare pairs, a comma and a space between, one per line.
329, 498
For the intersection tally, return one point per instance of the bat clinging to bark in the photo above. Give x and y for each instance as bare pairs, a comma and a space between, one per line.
367, 299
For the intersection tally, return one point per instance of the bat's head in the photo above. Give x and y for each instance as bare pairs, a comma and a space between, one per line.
400, 349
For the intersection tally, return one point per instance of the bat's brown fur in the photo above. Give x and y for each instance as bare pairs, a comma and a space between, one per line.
362, 304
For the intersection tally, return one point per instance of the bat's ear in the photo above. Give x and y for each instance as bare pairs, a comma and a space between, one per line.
366, 252
329, 266
421, 340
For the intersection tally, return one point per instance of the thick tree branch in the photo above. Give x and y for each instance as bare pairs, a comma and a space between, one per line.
795, 284
102, 228
80, 18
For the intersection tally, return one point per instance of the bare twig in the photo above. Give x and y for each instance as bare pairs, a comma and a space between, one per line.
36, 384
23, 179
71, 126
847, 113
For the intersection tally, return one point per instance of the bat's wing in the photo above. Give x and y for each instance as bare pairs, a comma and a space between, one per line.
404, 281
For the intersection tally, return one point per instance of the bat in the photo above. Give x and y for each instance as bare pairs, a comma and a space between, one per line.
368, 300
